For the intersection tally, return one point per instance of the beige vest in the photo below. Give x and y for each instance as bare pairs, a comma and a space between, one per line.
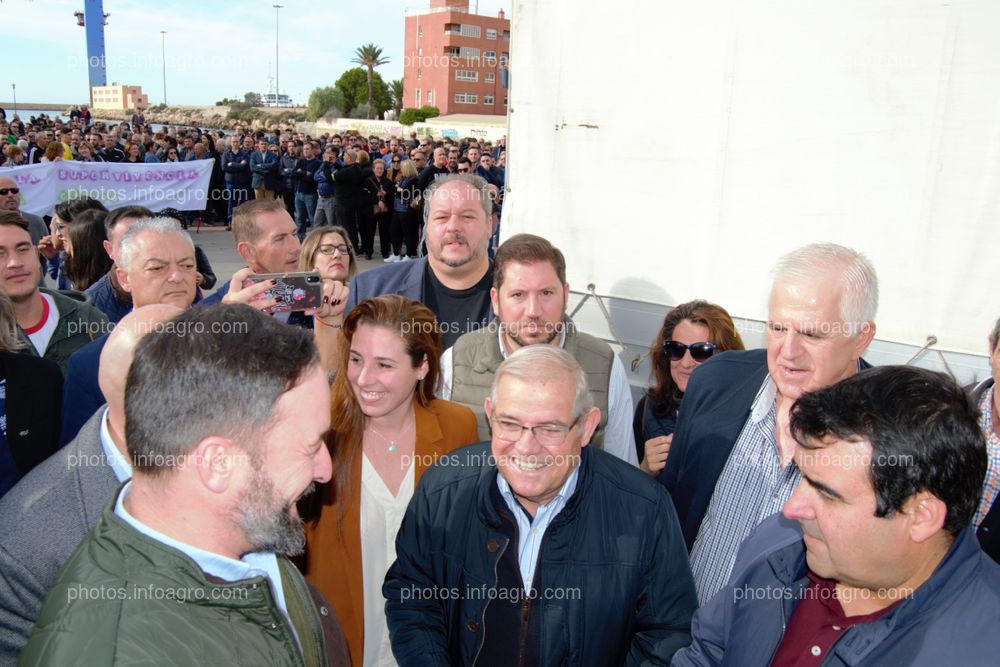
476, 356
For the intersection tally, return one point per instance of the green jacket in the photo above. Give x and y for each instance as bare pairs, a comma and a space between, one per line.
79, 323
125, 599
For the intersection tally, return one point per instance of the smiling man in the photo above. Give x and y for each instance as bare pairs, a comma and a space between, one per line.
875, 561
536, 549
198, 538
731, 462
454, 279
529, 297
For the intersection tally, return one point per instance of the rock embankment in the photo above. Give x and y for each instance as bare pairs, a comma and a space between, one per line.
257, 118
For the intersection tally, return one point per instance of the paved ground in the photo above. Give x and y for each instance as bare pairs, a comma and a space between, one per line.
218, 244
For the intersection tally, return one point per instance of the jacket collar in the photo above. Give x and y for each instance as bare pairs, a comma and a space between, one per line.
957, 570
489, 512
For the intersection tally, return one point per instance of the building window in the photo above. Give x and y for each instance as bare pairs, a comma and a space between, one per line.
490, 77
504, 59
466, 75
452, 51
489, 55
506, 35
466, 98
505, 100
488, 100
420, 31
471, 31
419, 74
430, 97
418, 98
491, 33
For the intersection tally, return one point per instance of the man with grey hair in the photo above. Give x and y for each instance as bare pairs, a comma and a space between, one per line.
730, 464
54, 507
156, 264
455, 277
535, 548
198, 538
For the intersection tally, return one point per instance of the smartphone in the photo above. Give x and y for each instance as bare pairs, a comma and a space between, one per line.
293, 291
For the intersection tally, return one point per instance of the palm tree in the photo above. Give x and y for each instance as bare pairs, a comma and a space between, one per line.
370, 56
396, 88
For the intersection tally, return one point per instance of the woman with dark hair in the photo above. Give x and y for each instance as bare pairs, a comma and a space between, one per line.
53, 246
387, 428
86, 259
691, 333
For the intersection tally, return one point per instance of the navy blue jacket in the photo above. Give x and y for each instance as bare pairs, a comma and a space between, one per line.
265, 170
951, 619
616, 542
715, 408
82, 393
103, 297
236, 167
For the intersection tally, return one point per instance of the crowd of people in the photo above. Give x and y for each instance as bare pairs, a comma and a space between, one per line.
368, 185
435, 466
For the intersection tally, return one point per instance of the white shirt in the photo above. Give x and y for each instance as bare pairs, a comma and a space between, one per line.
120, 466
381, 516
40, 339
619, 439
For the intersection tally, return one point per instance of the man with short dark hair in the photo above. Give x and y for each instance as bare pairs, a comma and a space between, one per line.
875, 561
10, 200
536, 549
54, 324
304, 176
209, 515
529, 298
454, 279
110, 151
236, 167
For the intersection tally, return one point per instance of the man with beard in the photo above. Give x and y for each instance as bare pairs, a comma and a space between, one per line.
454, 279
529, 298
196, 542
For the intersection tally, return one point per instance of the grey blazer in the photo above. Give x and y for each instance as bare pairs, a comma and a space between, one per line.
44, 517
405, 278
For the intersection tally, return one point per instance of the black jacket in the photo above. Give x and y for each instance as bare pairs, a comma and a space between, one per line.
616, 544
33, 404
989, 529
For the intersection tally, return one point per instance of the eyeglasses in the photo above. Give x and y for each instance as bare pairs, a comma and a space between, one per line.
329, 249
395, 161
463, 170
699, 351
9, 191
547, 435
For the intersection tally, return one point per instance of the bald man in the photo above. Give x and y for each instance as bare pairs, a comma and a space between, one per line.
48, 513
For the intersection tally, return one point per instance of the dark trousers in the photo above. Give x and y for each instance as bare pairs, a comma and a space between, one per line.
289, 197
236, 196
347, 217
305, 209
366, 225
383, 221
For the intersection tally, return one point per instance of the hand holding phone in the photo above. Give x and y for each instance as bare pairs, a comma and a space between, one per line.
290, 291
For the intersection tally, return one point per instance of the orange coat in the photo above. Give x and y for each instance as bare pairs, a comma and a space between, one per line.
334, 558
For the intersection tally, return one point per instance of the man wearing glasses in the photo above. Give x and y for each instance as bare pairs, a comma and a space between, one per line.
529, 297
730, 464
535, 548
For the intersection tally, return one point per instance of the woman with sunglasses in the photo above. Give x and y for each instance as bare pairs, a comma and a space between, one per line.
691, 333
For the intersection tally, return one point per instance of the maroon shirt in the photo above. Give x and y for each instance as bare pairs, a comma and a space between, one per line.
816, 625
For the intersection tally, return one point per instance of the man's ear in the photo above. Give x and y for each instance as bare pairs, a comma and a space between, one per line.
107, 249
927, 514
122, 276
865, 336
247, 252
218, 461
589, 423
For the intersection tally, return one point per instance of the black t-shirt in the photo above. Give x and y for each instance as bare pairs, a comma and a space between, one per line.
458, 311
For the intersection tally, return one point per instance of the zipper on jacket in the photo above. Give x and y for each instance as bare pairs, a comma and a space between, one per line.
496, 563
781, 606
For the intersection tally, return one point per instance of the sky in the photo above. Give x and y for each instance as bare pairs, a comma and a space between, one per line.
214, 48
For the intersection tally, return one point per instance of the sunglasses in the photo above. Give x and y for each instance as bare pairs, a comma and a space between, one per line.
395, 161
9, 191
699, 351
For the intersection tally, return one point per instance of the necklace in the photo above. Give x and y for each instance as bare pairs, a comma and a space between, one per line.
391, 441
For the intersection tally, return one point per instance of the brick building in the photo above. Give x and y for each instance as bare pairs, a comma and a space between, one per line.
456, 60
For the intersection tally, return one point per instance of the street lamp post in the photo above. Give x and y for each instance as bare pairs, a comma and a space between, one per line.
163, 58
13, 89
277, 79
